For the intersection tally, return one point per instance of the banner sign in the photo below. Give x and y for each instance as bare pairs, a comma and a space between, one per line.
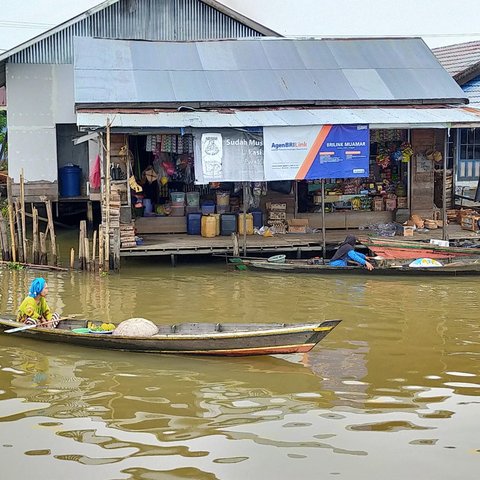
228, 155
316, 152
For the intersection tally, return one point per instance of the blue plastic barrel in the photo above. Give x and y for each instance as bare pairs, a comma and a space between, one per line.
69, 181
194, 223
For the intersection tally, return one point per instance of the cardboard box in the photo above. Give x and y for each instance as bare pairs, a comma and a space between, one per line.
390, 204
297, 225
378, 204
405, 230
278, 207
471, 222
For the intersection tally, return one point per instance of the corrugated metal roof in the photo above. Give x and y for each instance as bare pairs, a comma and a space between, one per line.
260, 71
139, 19
375, 117
459, 59
472, 89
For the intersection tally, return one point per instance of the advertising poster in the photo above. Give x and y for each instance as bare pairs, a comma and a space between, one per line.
228, 155
316, 152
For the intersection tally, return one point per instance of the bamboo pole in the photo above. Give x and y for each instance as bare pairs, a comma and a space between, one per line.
10, 218
94, 251
107, 200
22, 206
444, 185
51, 229
35, 252
72, 258
43, 249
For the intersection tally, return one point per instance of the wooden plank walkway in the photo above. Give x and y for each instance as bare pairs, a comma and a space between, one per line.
182, 244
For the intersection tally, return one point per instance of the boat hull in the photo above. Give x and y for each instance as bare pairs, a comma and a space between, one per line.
450, 271
193, 339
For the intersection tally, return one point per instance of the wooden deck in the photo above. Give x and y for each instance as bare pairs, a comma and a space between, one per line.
182, 244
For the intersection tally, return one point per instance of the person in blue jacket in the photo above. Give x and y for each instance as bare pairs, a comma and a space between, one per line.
346, 251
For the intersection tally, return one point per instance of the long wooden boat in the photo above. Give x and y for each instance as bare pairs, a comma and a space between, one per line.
391, 248
452, 269
229, 339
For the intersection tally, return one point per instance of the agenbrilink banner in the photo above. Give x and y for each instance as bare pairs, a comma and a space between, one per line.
316, 152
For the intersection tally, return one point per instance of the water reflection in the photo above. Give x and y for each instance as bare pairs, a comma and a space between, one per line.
393, 390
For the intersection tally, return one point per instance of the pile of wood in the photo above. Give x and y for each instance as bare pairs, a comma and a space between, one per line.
114, 208
418, 222
277, 217
127, 236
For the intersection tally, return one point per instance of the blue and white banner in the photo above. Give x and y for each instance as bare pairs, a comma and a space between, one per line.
316, 152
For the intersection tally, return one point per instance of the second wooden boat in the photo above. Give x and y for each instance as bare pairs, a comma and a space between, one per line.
453, 269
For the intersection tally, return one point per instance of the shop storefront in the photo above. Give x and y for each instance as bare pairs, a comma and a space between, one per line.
171, 178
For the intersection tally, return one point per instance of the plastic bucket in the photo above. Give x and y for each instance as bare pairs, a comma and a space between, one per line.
69, 181
177, 197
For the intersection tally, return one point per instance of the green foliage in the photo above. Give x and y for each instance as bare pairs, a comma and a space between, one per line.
4, 208
15, 266
3, 133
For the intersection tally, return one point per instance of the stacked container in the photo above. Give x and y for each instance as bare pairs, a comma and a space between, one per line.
223, 202
193, 202
178, 204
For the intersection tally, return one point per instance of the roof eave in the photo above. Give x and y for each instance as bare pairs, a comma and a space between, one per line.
276, 104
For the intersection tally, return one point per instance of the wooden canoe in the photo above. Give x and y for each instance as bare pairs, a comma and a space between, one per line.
229, 339
452, 269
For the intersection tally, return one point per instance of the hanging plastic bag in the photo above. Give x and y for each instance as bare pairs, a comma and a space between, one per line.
95, 177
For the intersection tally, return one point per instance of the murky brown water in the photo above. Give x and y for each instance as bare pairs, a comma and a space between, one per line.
393, 392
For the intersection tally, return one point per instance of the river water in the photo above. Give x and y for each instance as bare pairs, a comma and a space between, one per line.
392, 393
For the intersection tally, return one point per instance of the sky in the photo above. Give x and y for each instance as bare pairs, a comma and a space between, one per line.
439, 22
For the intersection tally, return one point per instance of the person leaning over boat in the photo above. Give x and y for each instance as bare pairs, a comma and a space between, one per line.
346, 251
34, 309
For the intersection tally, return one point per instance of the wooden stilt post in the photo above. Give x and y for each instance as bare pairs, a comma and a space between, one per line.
19, 240
107, 200
101, 245
236, 246
87, 253
43, 249
35, 249
4, 239
22, 206
90, 213
72, 258
11, 220
81, 246
94, 251
51, 229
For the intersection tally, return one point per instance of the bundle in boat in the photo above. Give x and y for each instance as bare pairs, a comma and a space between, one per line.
136, 327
